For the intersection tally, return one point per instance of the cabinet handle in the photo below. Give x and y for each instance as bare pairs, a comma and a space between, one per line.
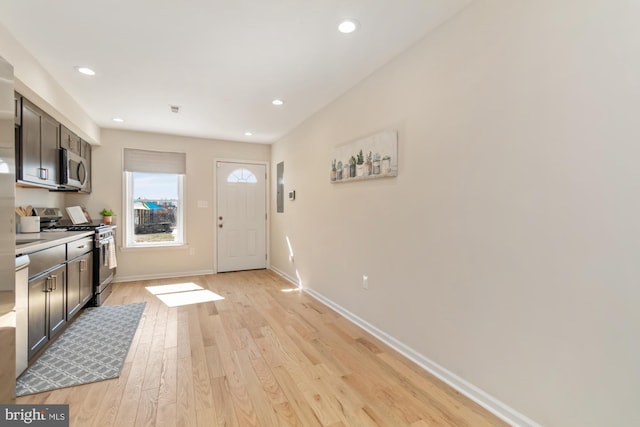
83, 265
43, 173
46, 285
55, 282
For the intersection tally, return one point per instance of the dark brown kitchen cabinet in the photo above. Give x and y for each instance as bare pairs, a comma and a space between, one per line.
70, 140
86, 154
79, 274
47, 307
47, 296
37, 151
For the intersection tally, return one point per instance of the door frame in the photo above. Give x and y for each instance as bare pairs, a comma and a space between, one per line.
267, 206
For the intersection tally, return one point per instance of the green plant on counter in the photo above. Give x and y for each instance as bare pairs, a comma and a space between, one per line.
106, 212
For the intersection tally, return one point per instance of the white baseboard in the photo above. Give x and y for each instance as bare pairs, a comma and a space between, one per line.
493, 405
120, 279
285, 276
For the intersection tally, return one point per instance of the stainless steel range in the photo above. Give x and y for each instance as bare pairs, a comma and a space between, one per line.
104, 263
104, 249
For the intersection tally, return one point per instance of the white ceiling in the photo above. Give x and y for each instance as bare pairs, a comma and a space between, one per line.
221, 61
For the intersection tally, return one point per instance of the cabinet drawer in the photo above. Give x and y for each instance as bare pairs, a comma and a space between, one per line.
45, 259
79, 247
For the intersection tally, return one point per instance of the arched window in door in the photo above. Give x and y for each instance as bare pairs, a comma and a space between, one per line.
242, 176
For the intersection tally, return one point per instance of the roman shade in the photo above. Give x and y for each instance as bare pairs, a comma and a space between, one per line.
154, 161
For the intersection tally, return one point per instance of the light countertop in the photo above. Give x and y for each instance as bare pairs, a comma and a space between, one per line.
27, 243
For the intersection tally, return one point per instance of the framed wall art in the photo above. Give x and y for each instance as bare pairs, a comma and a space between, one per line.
371, 157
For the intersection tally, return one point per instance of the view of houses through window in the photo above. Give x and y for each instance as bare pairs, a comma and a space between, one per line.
155, 208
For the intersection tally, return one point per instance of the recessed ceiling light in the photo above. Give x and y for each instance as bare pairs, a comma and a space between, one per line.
118, 120
348, 26
277, 102
86, 71
248, 133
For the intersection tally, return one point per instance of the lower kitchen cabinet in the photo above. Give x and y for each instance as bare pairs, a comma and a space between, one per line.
47, 307
60, 284
79, 283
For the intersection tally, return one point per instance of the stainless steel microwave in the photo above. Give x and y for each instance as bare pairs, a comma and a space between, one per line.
73, 170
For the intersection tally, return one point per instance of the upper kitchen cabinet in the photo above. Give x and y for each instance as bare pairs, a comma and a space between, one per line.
70, 141
86, 154
37, 150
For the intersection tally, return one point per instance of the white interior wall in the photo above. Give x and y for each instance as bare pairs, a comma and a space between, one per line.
35, 83
39, 197
200, 221
505, 250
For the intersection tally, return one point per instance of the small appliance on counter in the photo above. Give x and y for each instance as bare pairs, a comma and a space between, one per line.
49, 217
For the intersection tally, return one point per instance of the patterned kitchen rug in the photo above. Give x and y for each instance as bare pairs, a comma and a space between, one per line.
93, 348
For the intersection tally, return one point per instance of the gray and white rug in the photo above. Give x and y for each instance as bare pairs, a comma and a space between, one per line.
92, 348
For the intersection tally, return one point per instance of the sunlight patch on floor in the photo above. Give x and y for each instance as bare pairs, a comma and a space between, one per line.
170, 289
180, 294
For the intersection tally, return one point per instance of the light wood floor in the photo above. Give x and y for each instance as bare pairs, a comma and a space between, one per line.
259, 357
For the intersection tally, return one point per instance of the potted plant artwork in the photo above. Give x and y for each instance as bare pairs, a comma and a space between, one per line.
360, 164
376, 164
371, 157
386, 165
368, 165
107, 216
352, 167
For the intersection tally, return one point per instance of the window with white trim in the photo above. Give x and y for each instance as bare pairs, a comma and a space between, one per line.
242, 176
154, 188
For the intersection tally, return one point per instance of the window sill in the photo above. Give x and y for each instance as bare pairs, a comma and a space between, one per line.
176, 247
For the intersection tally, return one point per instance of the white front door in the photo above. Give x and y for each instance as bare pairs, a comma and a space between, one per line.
242, 216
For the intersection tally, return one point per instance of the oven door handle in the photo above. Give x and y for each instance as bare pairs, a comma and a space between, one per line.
101, 242
103, 254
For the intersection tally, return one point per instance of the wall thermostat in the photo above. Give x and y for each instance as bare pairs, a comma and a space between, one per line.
292, 195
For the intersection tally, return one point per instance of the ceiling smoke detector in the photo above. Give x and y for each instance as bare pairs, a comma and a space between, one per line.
175, 109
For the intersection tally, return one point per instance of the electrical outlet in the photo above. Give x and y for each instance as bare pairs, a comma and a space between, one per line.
365, 282
192, 251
